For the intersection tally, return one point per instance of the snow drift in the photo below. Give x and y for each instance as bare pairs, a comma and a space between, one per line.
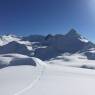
17, 60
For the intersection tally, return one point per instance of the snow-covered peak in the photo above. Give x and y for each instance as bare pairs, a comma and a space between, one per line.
83, 39
5, 39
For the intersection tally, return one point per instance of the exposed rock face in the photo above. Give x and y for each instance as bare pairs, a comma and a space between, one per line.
47, 47
72, 42
14, 47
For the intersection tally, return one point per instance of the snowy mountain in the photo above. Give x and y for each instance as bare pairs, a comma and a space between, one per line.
68, 67
15, 59
5, 39
14, 47
15, 51
72, 42
47, 47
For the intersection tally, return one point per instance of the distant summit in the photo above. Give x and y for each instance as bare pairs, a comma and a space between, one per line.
47, 47
73, 33
72, 42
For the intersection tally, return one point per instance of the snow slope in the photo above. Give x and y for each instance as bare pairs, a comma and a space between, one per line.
47, 47
18, 60
5, 39
15, 80
58, 80
65, 74
51, 79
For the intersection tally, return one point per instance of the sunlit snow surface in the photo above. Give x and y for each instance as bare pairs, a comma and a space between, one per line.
57, 80
9, 38
50, 79
14, 79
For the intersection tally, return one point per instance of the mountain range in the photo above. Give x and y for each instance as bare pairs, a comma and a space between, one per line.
47, 47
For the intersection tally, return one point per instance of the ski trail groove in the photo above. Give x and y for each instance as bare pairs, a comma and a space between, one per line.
31, 84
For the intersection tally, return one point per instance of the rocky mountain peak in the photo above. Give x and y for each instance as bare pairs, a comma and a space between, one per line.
73, 33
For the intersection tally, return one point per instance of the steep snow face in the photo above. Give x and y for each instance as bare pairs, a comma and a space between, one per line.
5, 39
83, 39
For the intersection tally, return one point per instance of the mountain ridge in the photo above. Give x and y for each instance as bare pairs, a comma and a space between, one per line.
50, 46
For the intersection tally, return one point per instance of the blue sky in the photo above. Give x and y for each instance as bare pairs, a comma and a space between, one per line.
25, 17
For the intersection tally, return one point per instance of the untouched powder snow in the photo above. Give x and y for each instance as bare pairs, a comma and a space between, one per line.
52, 79
59, 77
58, 80
15, 80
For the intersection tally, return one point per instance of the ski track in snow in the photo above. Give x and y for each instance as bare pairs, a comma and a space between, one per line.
31, 84
43, 71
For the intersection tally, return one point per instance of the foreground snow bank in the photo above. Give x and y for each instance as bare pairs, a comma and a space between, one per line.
15, 80
53, 79
61, 80
18, 59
